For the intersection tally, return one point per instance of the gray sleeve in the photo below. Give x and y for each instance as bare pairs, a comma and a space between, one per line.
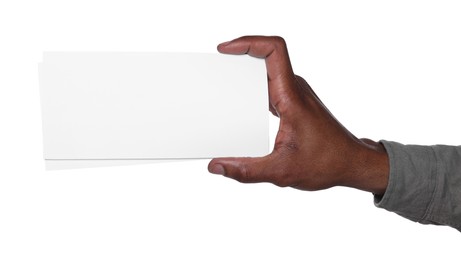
424, 183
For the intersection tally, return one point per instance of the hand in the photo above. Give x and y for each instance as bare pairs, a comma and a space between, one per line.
312, 149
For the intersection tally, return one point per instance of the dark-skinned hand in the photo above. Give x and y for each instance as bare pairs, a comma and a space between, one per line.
312, 149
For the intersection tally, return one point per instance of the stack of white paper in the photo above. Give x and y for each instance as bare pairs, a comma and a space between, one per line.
106, 108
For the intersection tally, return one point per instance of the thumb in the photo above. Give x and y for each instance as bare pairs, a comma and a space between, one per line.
242, 169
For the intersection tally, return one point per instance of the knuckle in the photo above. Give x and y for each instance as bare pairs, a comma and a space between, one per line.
283, 176
282, 183
244, 174
301, 80
284, 180
279, 41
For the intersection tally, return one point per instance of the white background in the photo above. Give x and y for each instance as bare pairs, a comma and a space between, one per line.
386, 69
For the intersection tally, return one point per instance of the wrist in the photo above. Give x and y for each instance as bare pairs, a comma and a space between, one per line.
369, 169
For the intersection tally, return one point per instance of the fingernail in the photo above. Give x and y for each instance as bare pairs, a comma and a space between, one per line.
224, 43
217, 169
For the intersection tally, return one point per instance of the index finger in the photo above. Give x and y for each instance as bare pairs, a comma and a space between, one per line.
279, 71
272, 48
